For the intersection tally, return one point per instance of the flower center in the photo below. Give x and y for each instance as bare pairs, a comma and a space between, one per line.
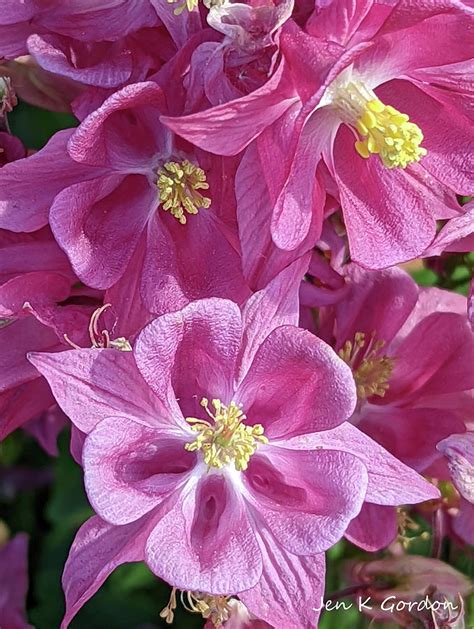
371, 370
226, 439
215, 608
178, 184
382, 129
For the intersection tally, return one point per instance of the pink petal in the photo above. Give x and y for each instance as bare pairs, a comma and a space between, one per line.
210, 544
459, 450
97, 550
434, 358
447, 135
290, 589
130, 468
391, 482
124, 132
107, 65
229, 128
319, 395
377, 303
410, 434
91, 384
187, 262
374, 528
14, 582
274, 306
193, 351
306, 499
386, 217
98, 223
28, 186
302, 194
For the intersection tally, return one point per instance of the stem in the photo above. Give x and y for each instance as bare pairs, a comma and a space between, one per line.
438, 533
349, 591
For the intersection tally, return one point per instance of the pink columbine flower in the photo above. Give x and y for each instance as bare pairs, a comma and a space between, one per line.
230, 469
126, 187
382, 107
14, 582
410, 350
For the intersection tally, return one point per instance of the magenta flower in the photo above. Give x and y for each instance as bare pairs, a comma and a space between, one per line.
223, 466
127, 186
14, 583
410, 351
382, 107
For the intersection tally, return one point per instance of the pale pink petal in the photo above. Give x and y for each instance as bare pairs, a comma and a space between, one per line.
391, 482
130, 468
91, 384
306, 499
97, 550
291, 588
459, 450
210, 545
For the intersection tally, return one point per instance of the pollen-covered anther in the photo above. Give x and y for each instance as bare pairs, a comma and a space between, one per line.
215, 608
370, 369
179, 184
382, 129
226, 439
190, 5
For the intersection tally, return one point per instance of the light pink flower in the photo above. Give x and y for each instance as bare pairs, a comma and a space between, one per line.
253, 515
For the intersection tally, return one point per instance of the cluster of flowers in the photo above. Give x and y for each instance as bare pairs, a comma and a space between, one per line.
201, 278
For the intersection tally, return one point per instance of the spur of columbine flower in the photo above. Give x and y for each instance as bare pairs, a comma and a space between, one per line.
126, 187
381, 105
197, 472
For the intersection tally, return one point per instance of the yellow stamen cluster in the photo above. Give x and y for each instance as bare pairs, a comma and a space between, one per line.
371, 370
226, 439
215, 608
384, 131
190, 5
178, 184
405, 525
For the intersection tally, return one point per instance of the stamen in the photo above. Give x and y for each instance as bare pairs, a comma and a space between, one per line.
370, 370
168, 612
101, 339
406, 523
382, 129
214, 607
178, 185
190, 5
227, 439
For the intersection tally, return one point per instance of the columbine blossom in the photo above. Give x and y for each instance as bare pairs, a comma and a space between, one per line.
379, 108
219, 458
129, 188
